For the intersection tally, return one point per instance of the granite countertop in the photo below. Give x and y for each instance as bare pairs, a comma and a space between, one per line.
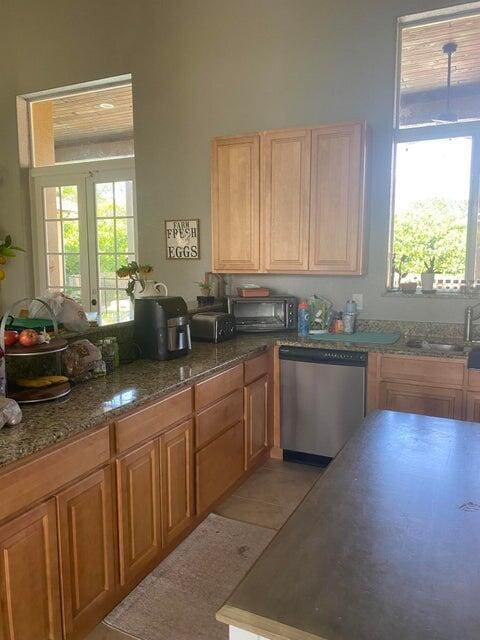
97, 401
385, 545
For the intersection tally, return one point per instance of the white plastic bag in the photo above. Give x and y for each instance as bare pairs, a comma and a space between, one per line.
10, 412
66, 310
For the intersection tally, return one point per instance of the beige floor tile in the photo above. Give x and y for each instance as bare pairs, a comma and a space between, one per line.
294, 468
104, 632
275, 488
256, 512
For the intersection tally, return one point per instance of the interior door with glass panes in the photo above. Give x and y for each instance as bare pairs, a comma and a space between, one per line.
111, 214
62, 263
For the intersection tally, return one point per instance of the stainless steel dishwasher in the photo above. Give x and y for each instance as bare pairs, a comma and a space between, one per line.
322, 400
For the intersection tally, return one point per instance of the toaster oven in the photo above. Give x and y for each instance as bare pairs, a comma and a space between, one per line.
272, 313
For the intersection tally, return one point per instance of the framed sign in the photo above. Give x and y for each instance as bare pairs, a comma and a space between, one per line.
182, 239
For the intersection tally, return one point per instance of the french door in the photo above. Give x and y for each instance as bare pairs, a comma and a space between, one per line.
84, 230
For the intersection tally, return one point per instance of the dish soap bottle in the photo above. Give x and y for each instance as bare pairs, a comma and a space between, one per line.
303, 319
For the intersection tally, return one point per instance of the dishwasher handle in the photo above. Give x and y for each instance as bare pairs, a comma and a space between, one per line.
326, 356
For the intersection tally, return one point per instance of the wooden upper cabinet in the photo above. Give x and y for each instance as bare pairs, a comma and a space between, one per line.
177, 480
337, 199
87, 552
285, 181
29, 579
290, 201
236, 203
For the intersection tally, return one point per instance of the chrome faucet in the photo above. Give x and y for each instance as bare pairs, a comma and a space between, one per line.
470, 316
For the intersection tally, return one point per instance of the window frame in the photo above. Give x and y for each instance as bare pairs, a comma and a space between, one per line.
84, 175
435, 131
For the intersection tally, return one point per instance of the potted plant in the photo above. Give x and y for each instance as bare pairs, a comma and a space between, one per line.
135, 273
7, 250
428, 275
206, 291
402, 268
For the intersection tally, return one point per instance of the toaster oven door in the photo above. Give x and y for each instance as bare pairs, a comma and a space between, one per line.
260, 315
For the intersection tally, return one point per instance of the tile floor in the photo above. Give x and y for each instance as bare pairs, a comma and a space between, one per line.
267, 498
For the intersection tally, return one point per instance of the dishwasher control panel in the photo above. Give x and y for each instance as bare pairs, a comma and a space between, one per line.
332, 356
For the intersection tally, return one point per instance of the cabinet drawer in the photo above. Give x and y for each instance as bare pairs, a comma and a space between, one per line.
41, 477
429, 370
218, 386
215, 419
152, 420
256, 367
218, 466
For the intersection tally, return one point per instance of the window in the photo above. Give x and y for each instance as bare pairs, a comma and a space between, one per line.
437, 151
84, 212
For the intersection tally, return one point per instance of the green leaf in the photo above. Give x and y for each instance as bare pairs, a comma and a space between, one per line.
8, 241
6, 251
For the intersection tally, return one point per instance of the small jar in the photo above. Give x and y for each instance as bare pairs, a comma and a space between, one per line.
349, 320
112, 342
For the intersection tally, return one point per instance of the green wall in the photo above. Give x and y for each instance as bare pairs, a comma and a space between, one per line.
207, 68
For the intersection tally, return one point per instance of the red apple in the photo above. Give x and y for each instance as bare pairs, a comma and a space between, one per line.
28, 338
11, 337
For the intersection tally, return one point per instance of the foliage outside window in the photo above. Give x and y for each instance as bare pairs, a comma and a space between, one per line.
437, 155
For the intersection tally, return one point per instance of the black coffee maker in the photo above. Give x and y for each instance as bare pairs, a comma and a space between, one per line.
162, 327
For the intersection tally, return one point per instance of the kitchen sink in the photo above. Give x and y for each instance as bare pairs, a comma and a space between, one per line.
432, 345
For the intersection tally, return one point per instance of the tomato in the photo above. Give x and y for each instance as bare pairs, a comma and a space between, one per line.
11, 337
28, 338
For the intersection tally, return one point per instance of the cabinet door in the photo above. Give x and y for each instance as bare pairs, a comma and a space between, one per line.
138, 490
256, 420
337, 199
177, 479
29, 579
236, 203
218, 466
473, 406
428, 401
285, 174
85, 514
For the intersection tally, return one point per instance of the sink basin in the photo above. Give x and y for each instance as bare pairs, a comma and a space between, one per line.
427, 345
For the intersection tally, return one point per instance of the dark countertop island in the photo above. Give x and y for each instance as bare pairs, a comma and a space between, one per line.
386, 546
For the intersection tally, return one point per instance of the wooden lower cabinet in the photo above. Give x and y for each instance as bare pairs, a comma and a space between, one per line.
87, 552
138, 504
177, 480
29, 576
472, 412
218, 466
422, 399
256, 420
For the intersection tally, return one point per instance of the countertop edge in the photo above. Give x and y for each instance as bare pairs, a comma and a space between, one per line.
109, 417
259, 625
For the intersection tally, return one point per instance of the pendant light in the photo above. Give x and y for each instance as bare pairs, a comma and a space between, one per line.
448, 115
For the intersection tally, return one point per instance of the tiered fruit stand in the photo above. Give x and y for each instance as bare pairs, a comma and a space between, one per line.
55, 346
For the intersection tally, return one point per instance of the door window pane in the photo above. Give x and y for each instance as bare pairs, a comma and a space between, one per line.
71, 236
106, 271
116, 246
432, 186
106, 236
62, 239
104, 203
